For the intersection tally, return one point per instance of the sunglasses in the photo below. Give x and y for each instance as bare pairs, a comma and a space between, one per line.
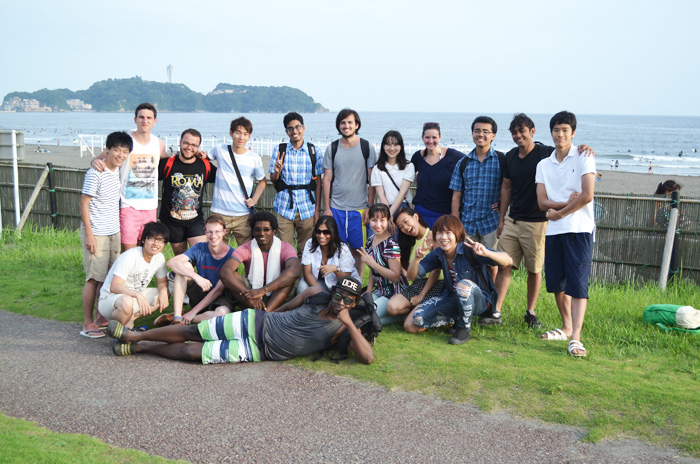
347, 301
326, 232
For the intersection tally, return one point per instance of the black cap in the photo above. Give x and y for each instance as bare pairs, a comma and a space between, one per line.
350, 285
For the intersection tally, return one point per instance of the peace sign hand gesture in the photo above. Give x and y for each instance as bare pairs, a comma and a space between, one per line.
478, 248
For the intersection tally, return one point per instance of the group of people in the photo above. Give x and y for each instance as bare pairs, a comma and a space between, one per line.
439, 258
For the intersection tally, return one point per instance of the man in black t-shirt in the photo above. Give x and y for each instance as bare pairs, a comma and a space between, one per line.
521, 232
184, 176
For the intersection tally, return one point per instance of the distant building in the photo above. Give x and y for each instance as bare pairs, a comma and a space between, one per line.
170, 73
24, 104
78, 105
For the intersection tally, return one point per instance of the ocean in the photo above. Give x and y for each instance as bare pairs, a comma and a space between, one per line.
632, 141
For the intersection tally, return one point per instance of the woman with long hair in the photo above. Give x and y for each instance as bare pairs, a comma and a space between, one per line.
393, 174
325, 258
413, 233
382, 256
434, 166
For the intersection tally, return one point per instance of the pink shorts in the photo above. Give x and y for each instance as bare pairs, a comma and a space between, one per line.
131, 222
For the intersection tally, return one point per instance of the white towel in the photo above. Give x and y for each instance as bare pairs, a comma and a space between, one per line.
257, 277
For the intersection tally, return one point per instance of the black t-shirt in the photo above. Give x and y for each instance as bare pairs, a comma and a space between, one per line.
183, 190
521, 172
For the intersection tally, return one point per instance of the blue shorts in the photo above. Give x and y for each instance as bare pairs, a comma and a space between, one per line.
350, 227
567, 263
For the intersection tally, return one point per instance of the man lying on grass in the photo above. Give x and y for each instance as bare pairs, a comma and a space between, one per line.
294, 329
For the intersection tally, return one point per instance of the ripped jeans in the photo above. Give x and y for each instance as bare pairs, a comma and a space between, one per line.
457, 307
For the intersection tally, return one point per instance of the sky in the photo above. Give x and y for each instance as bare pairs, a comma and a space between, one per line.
499, 56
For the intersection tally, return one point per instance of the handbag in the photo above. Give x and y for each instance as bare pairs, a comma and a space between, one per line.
253, 210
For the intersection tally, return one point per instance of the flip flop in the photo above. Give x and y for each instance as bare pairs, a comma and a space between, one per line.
577, 345
116, 330
92, 333
555, 334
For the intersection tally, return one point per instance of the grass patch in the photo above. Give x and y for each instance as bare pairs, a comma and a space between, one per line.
23, 441
636, 381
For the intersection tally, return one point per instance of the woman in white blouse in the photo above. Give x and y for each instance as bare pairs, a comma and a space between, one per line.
393, 174
326, 258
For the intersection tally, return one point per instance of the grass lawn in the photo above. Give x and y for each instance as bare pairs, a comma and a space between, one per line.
636, 381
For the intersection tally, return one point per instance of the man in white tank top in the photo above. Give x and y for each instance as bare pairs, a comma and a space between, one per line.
139, 177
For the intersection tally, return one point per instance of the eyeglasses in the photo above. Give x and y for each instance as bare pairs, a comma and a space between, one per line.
298, 127
215, 232
187, 145
479, 132
347, 301
326, 232
262, 229
158, 240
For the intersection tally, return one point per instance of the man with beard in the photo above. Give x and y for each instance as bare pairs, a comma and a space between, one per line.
184, 177
296, 329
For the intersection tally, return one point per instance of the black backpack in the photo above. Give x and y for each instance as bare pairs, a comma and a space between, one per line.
310, 187
364, 315
364, 147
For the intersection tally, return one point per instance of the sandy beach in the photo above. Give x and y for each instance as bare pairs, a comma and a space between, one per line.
618, 183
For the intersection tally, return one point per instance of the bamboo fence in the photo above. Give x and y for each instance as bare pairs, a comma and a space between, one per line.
629, 239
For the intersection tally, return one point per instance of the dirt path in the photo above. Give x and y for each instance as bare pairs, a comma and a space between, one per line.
267, 412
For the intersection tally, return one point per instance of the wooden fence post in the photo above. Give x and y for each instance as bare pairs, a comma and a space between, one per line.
32, 199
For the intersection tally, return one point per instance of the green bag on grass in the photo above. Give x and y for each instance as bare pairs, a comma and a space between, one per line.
673, 317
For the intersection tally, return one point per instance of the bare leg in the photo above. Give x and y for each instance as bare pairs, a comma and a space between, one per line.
409, 325
179, 289
220, 311
358, 261
124, 311
167, 334
278, 297
89, 295
493, 270
178, 351
100, 320
564, 305
398, 305
534, 283
578, 312
502, 284
179, 248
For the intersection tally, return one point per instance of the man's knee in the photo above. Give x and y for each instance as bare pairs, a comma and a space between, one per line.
221, 311
464, 288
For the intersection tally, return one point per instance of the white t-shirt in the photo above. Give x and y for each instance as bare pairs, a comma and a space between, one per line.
135, 271
380, 177
139, 176
228, 196
345, 262
563, 179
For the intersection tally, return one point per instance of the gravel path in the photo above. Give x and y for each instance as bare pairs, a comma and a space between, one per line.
267, 412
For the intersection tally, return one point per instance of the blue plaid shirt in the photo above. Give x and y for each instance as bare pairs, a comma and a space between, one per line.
296, 170
480, 187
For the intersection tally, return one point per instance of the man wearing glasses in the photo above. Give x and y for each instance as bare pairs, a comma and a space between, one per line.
298, 183
296, 329
184, 176
207, 295
476, 185
125, 295
272, 267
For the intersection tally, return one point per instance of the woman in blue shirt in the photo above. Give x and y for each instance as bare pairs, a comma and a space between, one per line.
434, 166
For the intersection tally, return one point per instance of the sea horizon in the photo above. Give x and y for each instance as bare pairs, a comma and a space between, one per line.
632, 140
